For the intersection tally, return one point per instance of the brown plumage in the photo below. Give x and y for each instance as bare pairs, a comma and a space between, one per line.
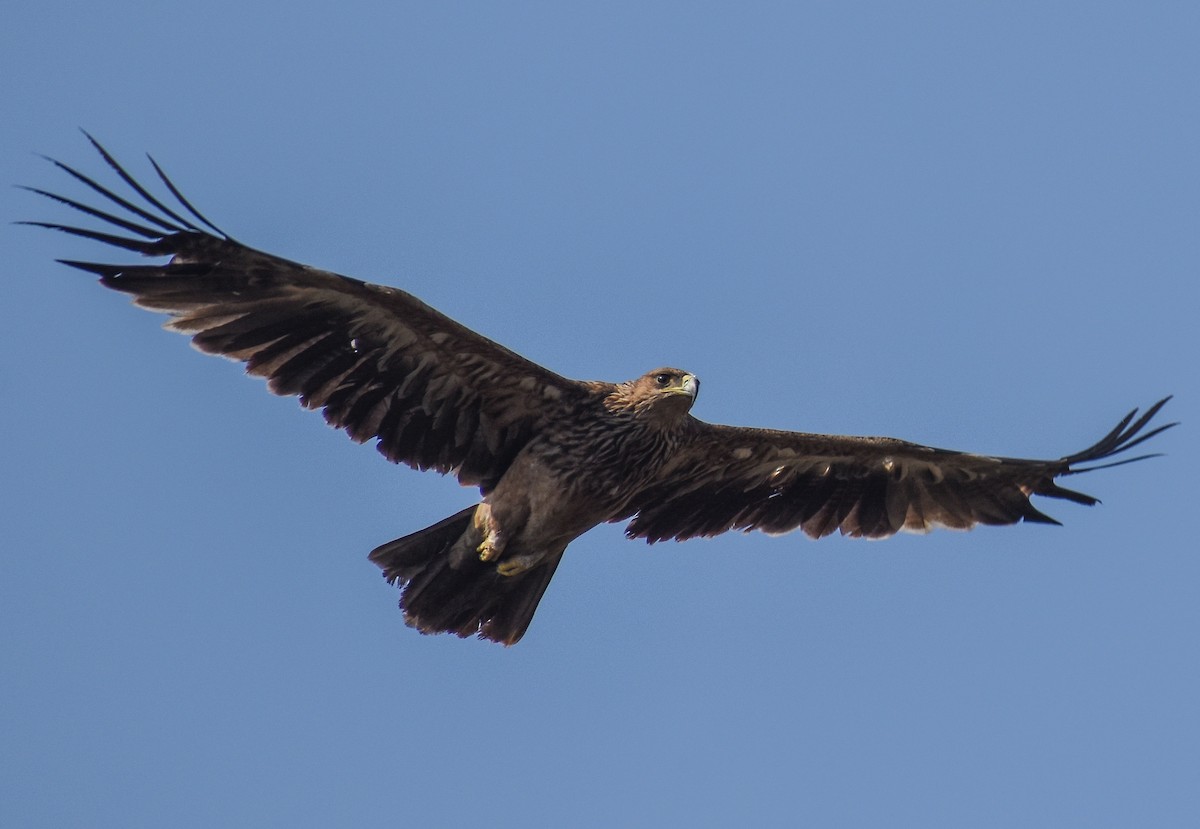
552, 457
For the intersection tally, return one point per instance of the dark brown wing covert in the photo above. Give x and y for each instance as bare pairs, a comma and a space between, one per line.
730, 478
377, 361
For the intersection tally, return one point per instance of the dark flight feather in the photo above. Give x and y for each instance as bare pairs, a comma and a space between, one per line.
379, 362
562, 455
757, 479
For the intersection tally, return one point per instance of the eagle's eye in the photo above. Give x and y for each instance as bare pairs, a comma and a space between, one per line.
662, 379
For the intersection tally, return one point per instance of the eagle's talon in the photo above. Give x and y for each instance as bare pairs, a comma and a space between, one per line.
556, 456
517, 565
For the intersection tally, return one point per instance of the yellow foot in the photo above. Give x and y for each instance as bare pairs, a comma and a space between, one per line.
492, 545
517, 565
488, 550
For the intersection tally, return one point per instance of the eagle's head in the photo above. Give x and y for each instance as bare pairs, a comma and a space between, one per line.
665, 394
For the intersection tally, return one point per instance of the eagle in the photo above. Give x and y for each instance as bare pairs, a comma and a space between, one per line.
552, 457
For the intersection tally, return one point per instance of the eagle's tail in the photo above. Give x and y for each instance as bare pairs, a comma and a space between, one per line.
447, 589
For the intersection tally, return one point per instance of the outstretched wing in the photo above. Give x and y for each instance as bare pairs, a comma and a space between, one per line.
728, 478
379, 362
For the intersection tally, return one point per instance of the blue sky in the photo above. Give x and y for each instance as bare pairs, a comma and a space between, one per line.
969, 225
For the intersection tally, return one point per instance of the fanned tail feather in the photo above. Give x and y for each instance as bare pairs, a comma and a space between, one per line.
447, 589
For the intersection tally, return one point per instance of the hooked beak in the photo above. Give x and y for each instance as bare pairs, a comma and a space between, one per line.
690, 384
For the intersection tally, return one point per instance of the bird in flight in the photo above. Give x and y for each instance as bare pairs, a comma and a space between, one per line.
552, 457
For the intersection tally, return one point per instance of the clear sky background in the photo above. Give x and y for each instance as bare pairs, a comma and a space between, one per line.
970, 225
